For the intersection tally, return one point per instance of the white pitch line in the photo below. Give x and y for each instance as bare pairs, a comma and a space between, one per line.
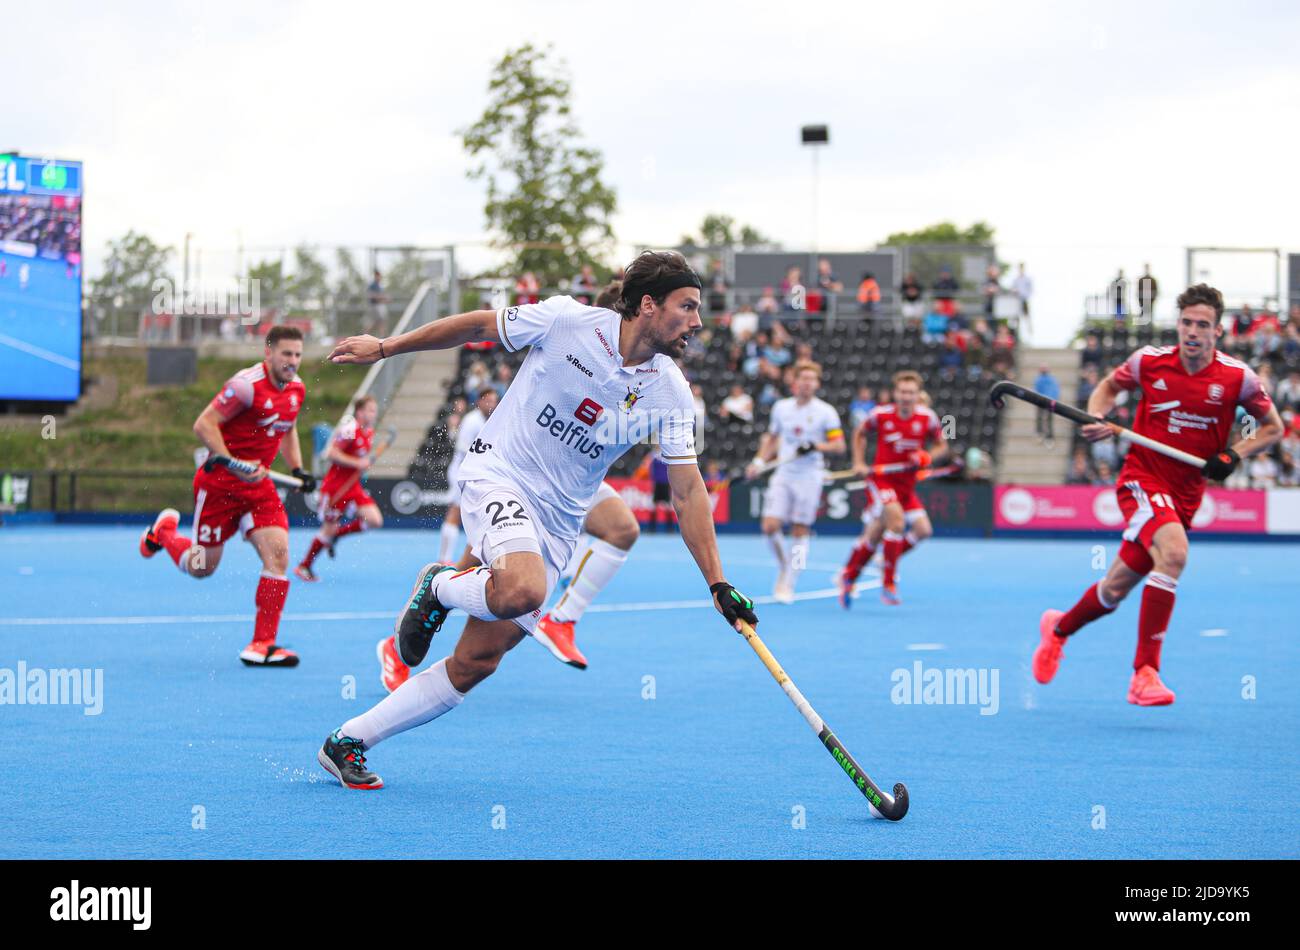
925, 646
379, 615
1214, 633
38, 352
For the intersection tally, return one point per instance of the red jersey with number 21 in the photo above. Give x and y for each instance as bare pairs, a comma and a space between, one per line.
255, 415
1190, 411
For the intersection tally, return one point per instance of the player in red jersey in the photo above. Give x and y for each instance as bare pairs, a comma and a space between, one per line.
341, 491
907, 431
252, 419
1190, 394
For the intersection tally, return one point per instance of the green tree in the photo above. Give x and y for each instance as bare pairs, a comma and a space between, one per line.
546, 201
309, 287
271, 286
126, 287
719, 230
945, 232
350, 283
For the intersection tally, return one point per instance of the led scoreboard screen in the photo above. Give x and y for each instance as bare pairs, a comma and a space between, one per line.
40, 279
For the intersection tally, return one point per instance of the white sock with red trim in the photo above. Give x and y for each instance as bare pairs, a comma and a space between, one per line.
596, 568
422, 698
465, 589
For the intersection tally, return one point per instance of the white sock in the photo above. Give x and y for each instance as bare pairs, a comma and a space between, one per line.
778, 548
799, 557
465, 589
450, 534
597, 567
911, 538
422, 698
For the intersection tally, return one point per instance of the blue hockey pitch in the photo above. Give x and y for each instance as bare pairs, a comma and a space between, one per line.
676, 742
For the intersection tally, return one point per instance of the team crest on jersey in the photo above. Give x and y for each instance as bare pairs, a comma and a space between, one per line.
293, 400
1216, 392
630, 399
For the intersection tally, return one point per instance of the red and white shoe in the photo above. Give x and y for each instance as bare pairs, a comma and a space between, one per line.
1145, 689
304, 573
889, 595
265, 653
392, 671
149, 543
557, 636
1047, 656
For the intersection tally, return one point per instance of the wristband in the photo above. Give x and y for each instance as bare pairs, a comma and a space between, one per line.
381, 350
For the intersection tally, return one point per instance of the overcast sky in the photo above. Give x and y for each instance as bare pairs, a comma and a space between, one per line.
1090, 136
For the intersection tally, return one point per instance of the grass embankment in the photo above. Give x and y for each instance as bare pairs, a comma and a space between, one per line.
124, 424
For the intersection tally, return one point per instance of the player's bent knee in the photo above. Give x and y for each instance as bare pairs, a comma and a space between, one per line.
625, 534
517, 597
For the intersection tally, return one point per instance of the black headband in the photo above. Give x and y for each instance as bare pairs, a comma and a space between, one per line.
632, 293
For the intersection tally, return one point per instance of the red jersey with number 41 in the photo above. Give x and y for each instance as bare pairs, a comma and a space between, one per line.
1190, 411
350, 439
256, 413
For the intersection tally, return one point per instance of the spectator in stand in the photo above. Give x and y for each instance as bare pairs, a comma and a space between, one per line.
767, 303
861, 407
1264, 341
376, 319
1004, 351
701, 410
777, 353
1263, 471
945, 290
504, 376
1105, 473
1288, 475
583, 287
1023, 287
527, 289
910, 306
475, 379
1243, 322
738, 406
718, 287
1088, 380
753, 359
712, 474
953, 357
1147, 290
829, 284
1267, 381
794, 295
1291, 342
935, 326
1119, 298
1046, 384
1288, 391
1079, 474
991, 288
458, 410
744, 322
957, 321
983, 333
1092, 353
868, 293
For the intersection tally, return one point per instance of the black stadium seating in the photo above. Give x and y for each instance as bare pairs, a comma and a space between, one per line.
852, 354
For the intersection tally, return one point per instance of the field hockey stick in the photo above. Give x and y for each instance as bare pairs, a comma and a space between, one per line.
390, 436
1005, 387
885, 468
238, 465
765, 469
882, 804
924, 474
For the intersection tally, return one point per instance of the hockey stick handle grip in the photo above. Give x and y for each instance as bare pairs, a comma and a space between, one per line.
1006, 388
238, 465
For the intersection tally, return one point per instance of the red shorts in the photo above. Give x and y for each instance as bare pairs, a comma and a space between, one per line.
222, 509
332, 509
885, 491
1147, 505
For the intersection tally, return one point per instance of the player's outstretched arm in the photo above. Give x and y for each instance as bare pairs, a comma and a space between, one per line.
447, 333
1269, 431
1100, 403
695, 518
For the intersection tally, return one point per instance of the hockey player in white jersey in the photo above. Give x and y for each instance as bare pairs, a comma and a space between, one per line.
595, 383
802, 430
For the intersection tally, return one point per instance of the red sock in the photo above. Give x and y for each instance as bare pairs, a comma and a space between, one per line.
858, 560
317, 545
352, 527
271, 593
893, 550
1153, 619
1088, 609
176, 544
